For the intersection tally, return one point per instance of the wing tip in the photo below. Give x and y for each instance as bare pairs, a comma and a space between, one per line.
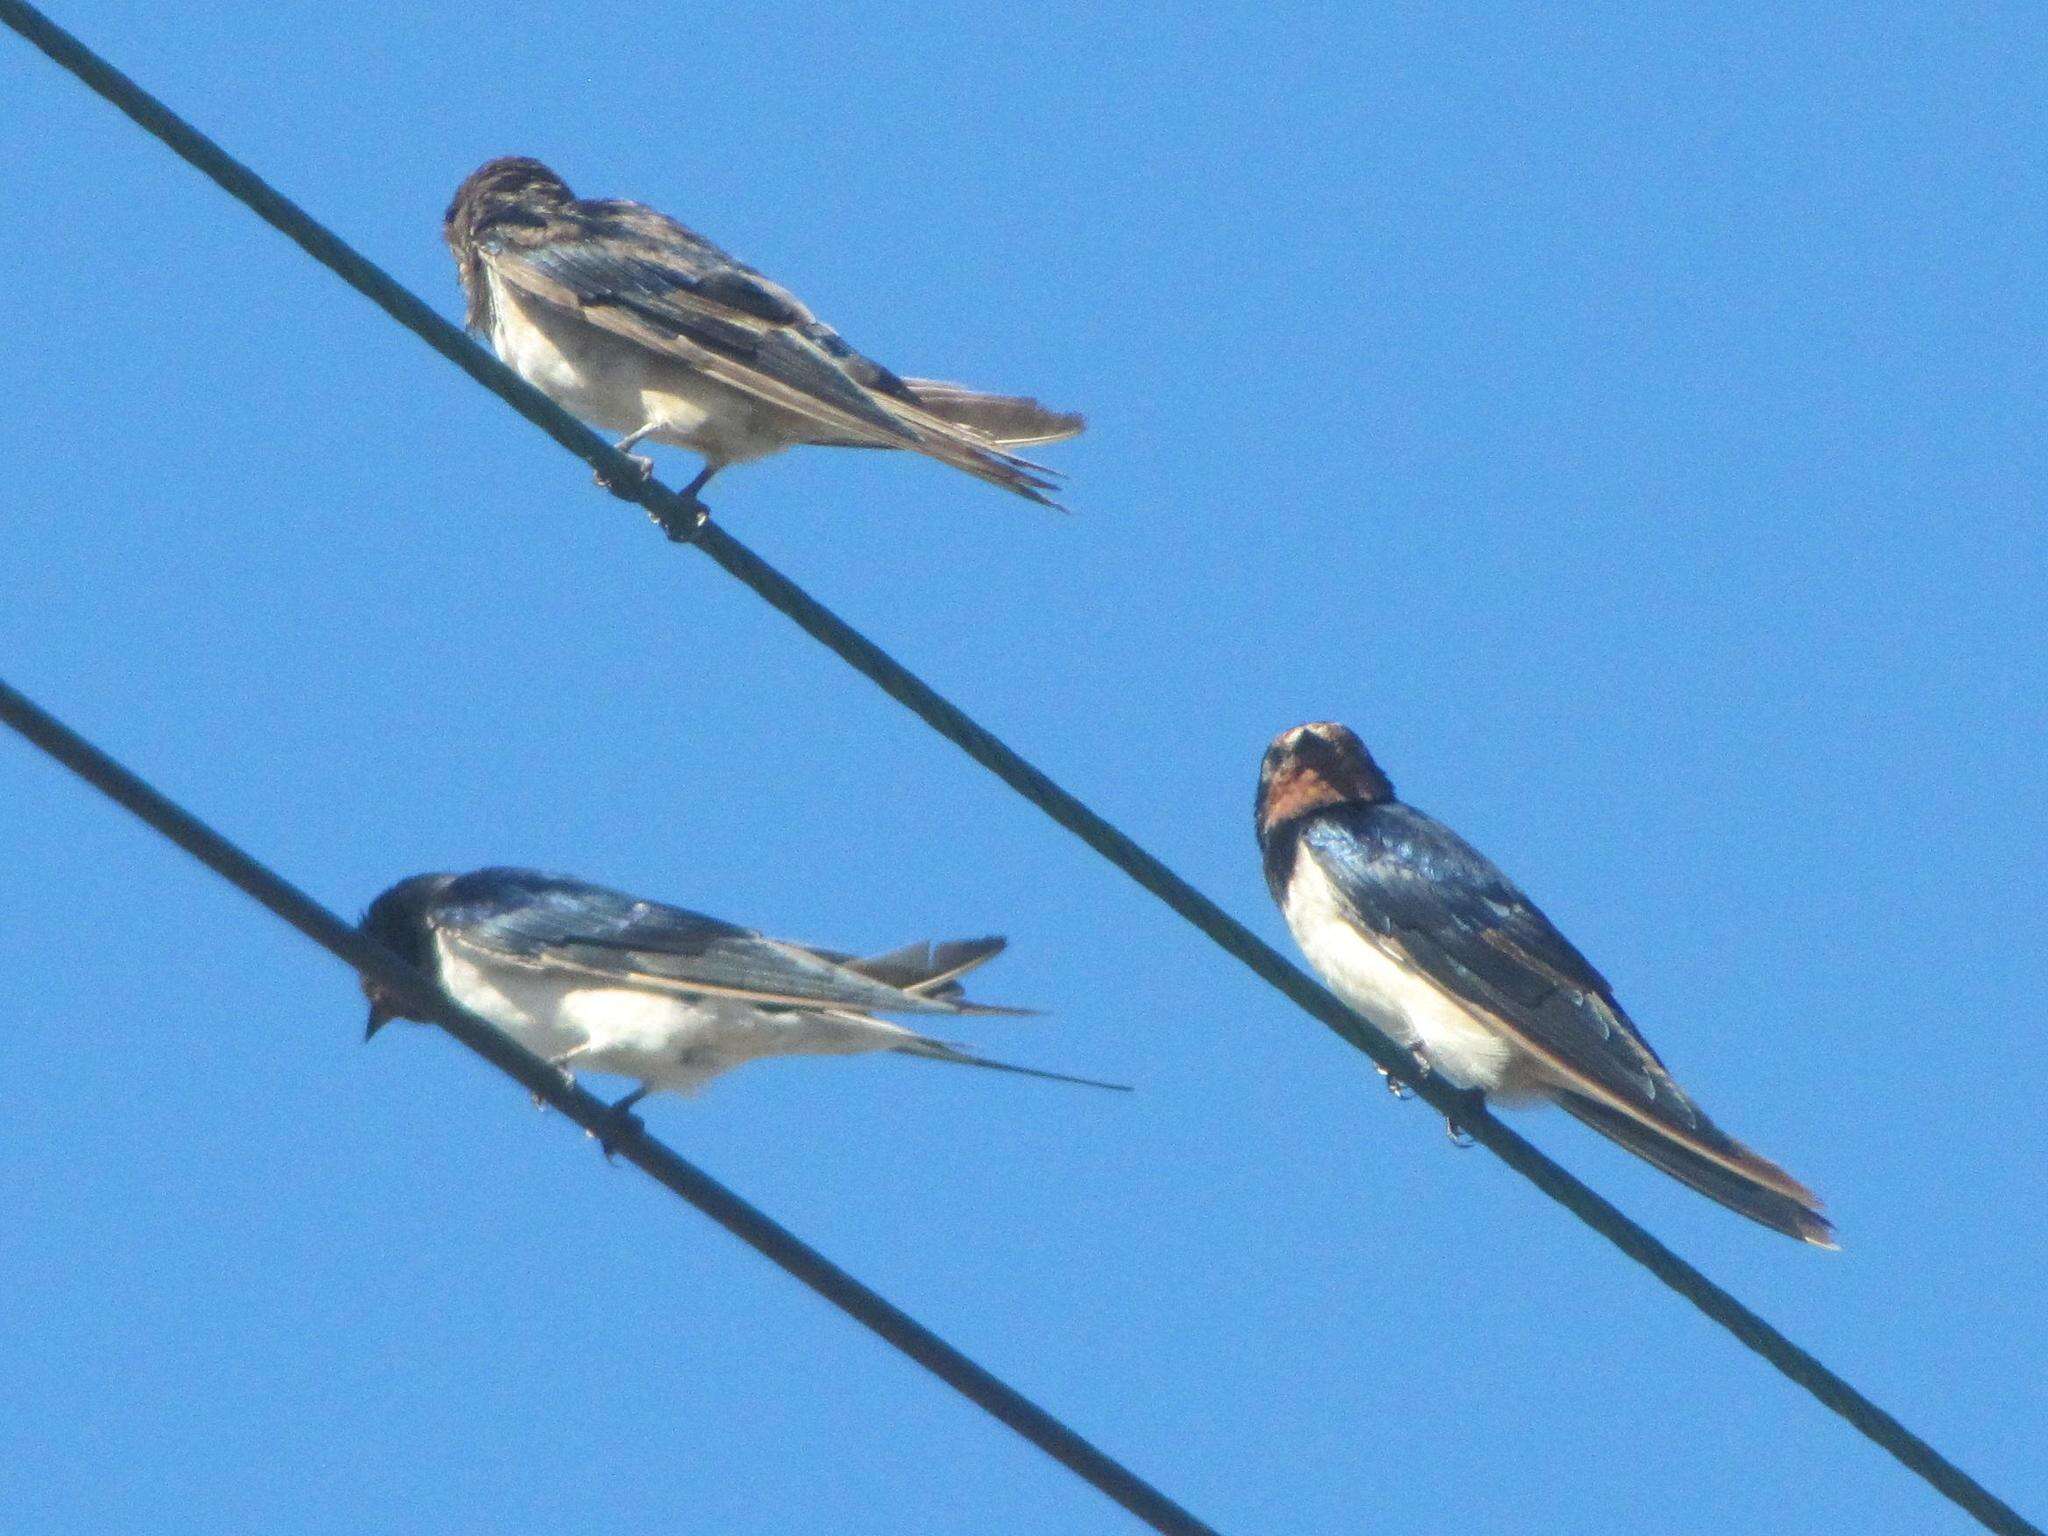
1817, 1230
1727, 1173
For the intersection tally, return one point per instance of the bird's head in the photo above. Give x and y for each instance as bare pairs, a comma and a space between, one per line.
1314, 766
398, 920
511, 190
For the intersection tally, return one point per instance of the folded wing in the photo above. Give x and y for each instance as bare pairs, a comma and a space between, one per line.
522, 918
1429, 896
650, 280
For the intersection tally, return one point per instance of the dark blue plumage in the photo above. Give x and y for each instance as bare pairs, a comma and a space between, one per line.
564, 924
1414, 882
593, 978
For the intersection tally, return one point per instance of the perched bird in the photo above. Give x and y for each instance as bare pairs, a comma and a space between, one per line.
591, 978
1418, 932
641, 326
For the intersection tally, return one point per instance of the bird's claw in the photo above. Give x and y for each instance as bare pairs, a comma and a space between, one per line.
1401, 1086
628, 484
618, 1123
561, 1065
1460, 1137
682, 525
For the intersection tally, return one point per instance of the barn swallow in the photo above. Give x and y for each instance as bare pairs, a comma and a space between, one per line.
592, 978
1418, 932
641, 326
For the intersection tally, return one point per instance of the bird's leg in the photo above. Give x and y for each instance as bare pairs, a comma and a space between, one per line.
618, 1120
644, 466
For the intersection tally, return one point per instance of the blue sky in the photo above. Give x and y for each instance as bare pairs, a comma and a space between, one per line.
1632, 425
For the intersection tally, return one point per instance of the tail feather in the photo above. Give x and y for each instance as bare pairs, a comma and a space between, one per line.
1007, 421
932, 969
939, 1050
1765, 1193
944, 423
932, 972
963, 449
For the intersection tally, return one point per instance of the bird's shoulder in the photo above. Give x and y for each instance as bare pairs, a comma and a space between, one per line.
1391, 843
611, 250
1403, 872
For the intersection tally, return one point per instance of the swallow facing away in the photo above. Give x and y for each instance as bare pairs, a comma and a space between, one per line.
591, 978
1417, 931
641, 326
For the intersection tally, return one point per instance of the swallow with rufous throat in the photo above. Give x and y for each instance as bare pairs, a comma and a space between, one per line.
1419, 933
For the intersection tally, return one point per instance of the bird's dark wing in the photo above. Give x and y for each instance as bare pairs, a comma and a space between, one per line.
1436, 902
556, 924
1429, 894
644, 277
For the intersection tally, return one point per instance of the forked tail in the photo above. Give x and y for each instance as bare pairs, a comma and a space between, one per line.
1003, 421
1747, 1184
938, 1050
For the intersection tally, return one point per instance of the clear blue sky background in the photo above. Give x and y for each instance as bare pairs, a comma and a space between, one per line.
1633, 427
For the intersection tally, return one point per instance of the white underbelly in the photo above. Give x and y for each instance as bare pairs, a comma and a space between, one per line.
1465, 1047
666, 1041
680, 1043
527, 1005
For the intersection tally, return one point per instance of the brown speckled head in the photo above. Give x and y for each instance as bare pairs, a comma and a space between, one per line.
509, 191
1311, 767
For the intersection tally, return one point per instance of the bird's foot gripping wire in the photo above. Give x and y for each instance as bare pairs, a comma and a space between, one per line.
627, 483
1401, 1085
619, 1121
1460, 1137
560, 1064
681, 524
682, 516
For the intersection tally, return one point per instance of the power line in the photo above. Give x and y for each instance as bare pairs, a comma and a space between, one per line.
622, 1134
1468, 1110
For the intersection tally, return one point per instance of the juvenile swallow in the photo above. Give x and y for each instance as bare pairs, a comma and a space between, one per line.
641, 326
593, 979
1418, 932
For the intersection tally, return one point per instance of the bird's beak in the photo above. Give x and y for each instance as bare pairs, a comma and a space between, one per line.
379, 1014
